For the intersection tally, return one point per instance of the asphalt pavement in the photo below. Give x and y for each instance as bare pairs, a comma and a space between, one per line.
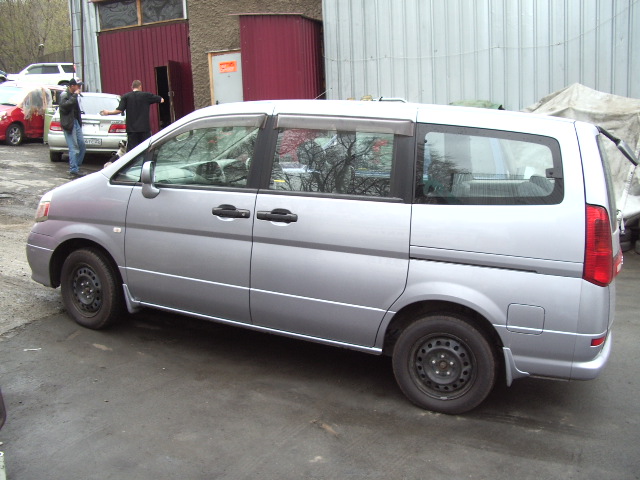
161, 396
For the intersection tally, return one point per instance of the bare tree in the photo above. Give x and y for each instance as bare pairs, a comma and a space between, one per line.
30, 29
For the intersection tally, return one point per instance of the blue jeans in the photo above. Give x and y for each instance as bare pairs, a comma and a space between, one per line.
77, 148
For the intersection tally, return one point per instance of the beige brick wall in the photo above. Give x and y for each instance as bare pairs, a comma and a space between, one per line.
213, 27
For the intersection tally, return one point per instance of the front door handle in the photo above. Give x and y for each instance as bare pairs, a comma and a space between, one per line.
230, 211
278, 215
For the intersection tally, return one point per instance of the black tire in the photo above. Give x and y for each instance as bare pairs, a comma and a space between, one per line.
444, 364
91, 289
55, 156
15, 134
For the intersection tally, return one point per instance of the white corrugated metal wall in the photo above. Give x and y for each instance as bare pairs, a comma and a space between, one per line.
511, 52
84, 28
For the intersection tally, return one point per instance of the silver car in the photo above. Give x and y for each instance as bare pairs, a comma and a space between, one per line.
102, 135
466, 244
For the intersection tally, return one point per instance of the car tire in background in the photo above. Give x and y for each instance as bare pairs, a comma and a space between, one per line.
55, 156
626, 240
14, 135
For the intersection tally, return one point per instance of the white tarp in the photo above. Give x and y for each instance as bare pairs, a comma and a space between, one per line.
618, 115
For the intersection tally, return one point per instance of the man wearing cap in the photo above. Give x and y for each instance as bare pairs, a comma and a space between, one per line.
71, 122
136, 103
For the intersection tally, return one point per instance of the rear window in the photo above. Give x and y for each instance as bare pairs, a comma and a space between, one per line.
93, 105
471, 166
68, 68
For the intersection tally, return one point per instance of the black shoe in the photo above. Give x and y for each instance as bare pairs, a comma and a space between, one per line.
75, 175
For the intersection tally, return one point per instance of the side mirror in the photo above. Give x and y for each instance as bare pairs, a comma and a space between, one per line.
146, 177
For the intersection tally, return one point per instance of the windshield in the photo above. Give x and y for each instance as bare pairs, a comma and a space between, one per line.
93, 105
11, 95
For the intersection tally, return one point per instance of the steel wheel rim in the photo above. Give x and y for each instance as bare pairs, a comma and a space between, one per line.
442, 366
87, 290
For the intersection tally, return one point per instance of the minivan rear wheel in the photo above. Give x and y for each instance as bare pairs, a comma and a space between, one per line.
91, 290
444, 364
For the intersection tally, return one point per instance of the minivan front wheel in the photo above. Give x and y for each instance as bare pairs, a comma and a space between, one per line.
91, 291
444, 364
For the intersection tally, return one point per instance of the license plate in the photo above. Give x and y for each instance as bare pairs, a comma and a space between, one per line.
93, 141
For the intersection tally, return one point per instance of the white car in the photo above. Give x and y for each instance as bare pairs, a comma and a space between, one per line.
46, 73
102, 135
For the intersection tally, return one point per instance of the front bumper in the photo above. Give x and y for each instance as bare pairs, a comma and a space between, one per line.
39, 252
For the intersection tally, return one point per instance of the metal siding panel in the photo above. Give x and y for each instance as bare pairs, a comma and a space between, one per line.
590, 21
634, 50
428, 85
413, 80
605, 37
557, 68
483, 84
508, 52
542, 62
621, 48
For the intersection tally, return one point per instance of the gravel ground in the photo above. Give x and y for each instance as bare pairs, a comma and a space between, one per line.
25, 175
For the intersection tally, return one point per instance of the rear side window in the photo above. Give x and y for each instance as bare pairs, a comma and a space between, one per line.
68, 68
36, 70
472, 166
332, 161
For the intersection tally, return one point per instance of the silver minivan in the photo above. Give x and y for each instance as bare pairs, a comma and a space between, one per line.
466, 244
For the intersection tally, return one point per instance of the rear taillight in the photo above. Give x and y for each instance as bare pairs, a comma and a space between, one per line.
118, 128
600, 266
55, 127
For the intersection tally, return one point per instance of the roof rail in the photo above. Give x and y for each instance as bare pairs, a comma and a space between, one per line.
391, 99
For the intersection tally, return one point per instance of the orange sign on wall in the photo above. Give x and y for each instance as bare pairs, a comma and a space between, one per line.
228, 67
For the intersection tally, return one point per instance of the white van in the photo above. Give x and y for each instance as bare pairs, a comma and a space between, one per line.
467, 244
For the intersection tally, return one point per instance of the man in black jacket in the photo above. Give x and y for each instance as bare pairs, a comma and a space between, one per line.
71, 121
136, 103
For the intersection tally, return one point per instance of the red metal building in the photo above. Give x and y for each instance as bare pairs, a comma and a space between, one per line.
281, 57
158, 56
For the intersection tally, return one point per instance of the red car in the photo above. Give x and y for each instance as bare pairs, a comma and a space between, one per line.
22, 112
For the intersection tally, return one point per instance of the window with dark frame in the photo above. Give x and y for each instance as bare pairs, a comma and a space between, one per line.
333, 162
471, 166
133, 13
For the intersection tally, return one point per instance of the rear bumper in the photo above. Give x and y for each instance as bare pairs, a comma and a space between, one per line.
57, 143
589, 370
